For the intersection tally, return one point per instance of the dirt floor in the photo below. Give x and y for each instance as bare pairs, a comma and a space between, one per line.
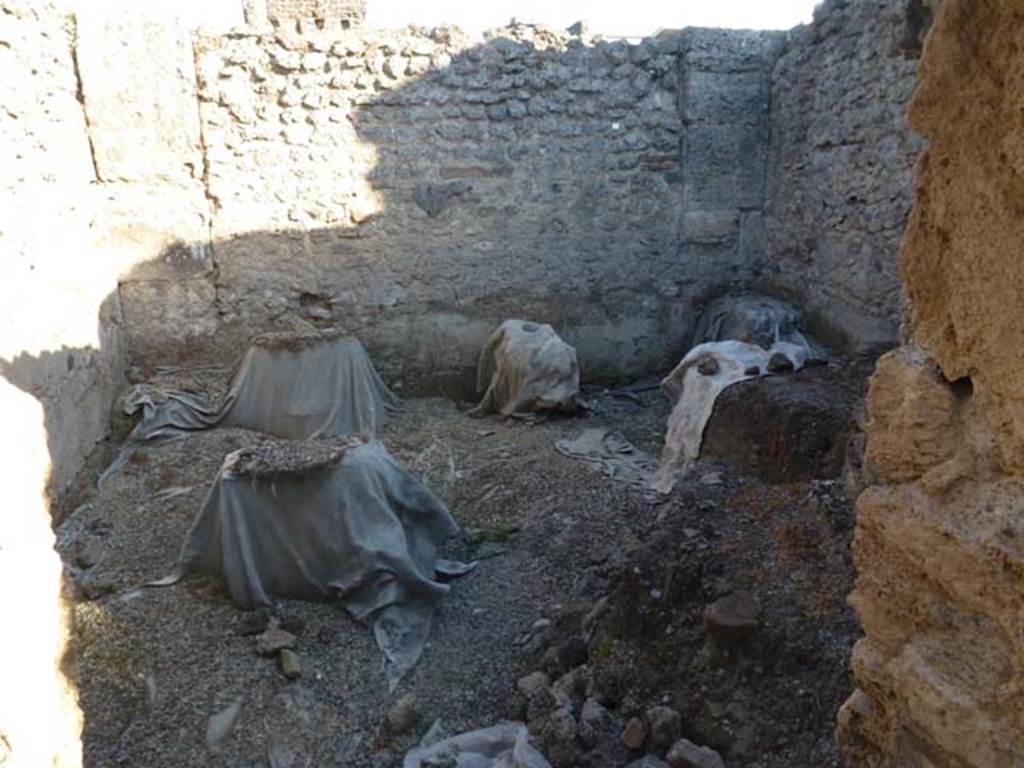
577, 575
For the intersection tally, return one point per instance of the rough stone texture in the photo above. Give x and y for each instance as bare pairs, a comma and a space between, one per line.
840, 166
138, 84
69, 238
724, 98
58, 335
940, 673
428, 189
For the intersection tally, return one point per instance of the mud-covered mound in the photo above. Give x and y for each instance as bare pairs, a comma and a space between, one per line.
670, 653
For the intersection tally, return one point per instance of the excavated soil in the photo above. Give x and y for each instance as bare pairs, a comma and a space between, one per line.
556, 542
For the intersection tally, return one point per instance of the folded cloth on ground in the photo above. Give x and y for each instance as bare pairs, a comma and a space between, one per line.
334, 520
527, 367
506, 745
612, 455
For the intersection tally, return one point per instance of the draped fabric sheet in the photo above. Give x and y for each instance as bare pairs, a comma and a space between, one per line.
695, 393
735, 336
357, 529
294, 386
527, 367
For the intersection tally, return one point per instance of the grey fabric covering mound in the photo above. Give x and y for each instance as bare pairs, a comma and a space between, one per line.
527, 367
753, 319
288, 385
304, 386
334, 520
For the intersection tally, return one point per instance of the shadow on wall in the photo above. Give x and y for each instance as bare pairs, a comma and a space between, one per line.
413, 190
416, 193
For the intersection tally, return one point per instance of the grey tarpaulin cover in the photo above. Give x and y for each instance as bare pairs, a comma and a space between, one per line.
527, 367
751, 318
327, 520
289, 385
506, 745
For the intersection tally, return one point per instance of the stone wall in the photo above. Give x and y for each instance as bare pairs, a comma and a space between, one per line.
96, 194
724, 100
416, 189
840, 165
295, 15
939, 550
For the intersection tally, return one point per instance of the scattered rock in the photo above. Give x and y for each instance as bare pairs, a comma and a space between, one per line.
252, 623
221, 724
707, 366
649, 761
557, 734
532, 684
753, 370
686, 754
634, 734
291, 664
575, 685
731, 619
274, 639
565, 656
596, 722
666, 726
779, 363
403, 716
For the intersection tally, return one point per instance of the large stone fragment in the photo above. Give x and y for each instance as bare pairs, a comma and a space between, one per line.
959, 259
912, 417
940, 672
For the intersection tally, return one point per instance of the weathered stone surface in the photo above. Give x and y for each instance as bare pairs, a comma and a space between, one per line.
274, 639
839, 180
666, 727
940, 672
912, 412
634, 733
139, 85
291, 664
